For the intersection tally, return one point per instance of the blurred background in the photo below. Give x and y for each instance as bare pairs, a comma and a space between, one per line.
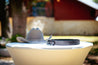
64, 19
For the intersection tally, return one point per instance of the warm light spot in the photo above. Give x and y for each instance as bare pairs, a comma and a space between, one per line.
58, 0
